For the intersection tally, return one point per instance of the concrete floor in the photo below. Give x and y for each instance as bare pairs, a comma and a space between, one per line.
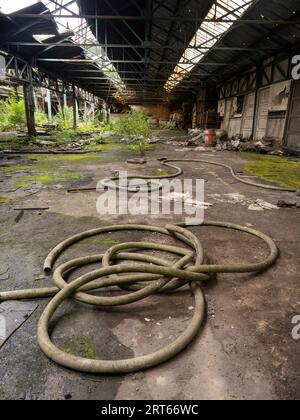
245, 350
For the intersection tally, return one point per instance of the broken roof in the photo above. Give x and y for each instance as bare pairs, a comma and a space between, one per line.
161, 50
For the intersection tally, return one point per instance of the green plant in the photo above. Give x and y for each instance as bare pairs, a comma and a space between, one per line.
170, 125
4, 117
64, 119
109, 127
140, 147
40, 118
65, 136
134, 123
17, 111
12, 113
99, 140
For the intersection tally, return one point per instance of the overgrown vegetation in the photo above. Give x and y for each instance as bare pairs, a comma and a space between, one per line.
133, 123
40, 118
12, 113
45, 170
64, 119
282, 171
140, 147
170, 125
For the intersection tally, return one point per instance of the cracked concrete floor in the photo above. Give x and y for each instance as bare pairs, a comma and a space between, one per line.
245, 350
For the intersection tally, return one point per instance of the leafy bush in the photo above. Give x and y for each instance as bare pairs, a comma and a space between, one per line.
64, 136
170, 125
64, 119
134, 123
109, 127
99, 140
12, 113
87, 126
141, 147
4, 117
40, 118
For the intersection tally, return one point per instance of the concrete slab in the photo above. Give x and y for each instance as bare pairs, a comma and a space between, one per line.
246, 349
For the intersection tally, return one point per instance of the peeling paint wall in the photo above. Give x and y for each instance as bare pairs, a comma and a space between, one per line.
255, 104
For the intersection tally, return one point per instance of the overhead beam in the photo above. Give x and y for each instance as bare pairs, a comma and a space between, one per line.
83, 61
190, 19
140, 46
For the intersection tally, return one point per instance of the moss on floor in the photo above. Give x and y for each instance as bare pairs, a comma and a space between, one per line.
160, 172
83, 347
107, 241
5, 200
15, 168
282, 171
47, 169
105, 147
139, 148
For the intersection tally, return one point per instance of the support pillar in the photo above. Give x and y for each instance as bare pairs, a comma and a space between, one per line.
75, 109
49, 105
85, 111
29, 106
65, 99
108, 115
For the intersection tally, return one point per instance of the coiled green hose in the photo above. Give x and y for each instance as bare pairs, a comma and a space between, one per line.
148, 275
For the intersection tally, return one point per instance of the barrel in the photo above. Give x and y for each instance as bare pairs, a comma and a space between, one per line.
210, 138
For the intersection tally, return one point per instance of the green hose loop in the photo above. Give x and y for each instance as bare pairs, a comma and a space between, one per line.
147, 274
142, 276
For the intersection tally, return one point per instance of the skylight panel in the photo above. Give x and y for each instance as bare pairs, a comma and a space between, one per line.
83, 36
208, 34
11, 6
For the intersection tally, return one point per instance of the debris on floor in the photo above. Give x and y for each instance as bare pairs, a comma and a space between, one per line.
136, 161
19, 216
186, 199
261, 205
238, 143
236, 198
4, 273
288, 204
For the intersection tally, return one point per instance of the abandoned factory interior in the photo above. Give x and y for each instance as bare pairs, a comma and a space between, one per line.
149, 202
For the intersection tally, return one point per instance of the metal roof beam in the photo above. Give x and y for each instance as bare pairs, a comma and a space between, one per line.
129, 46
61, 6
83, 61
263, 22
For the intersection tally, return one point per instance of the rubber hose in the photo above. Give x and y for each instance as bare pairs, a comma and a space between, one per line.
166, 162
157, 274
154, 185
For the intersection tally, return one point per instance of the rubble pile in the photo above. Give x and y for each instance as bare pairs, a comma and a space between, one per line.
240, 144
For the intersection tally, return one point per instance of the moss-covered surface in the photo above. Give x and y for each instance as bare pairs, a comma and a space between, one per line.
139, 148
160, 172
5, 200
105, 147
282, 171
107, 241
82, 347
47, 169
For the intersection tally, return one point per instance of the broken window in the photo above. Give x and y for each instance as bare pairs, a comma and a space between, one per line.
238, 106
